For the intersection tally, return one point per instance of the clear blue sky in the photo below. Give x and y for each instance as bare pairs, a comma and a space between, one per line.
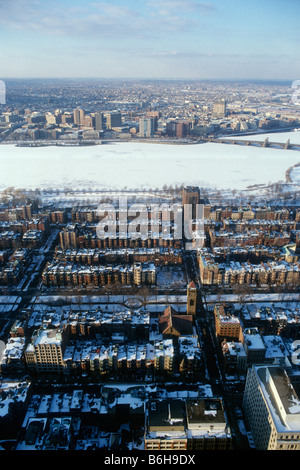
150, 39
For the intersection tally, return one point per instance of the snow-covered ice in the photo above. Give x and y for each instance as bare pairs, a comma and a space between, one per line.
144, 165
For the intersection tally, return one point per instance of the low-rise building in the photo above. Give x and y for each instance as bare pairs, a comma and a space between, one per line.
193, 424
254, 346
207, 427
12, 361
227, 324
165, 427
235, 357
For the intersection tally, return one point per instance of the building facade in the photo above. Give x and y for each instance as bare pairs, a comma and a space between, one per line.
191, 307
45, 352
146, 127
227, 325
196, 424
272, 409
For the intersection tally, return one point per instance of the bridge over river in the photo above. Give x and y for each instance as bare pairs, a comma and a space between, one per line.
257, 143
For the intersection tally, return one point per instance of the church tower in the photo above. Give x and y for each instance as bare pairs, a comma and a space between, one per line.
191, 299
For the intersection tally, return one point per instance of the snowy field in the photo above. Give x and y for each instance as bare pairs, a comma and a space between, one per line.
145, 165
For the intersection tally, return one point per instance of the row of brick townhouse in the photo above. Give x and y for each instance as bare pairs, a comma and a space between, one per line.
72, 237
265, 225
13, 268
216, 271
249, 237
22, 212
94, 256
249, 213
69, 274
50, 351
22, 226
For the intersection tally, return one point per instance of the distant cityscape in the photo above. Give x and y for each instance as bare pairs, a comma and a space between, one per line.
72, 111
173, 341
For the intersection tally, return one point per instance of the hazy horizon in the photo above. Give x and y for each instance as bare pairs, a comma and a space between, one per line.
218, 80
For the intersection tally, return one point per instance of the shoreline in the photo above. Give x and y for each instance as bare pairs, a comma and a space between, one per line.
288, 172
153, 140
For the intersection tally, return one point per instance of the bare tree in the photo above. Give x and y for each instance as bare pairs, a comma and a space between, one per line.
242, 291
144, 294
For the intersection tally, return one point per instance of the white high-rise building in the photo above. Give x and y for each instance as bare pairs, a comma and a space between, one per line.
272, 409
220, 107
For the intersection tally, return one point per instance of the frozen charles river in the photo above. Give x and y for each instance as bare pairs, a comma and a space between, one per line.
145, 165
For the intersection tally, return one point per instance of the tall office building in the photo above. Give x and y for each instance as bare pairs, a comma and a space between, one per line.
87, 121
182, 129
191, 195
98, 121
113, 119
146, 127
272, 409
171, 128
220, 107
177, 129
78, 115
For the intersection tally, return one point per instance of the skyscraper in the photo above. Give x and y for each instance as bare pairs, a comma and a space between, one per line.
78, 115
113, 119
220, 107
98, 117
146, 127
272, 409
191, 195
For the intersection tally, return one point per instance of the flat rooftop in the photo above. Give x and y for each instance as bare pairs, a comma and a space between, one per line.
282, 399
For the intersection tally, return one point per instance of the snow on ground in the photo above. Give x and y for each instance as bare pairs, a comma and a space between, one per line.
143, 165
295, 174
267, 297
